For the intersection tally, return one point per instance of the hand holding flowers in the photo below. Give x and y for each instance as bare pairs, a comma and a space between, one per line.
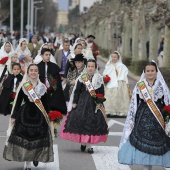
106, 79
56, 117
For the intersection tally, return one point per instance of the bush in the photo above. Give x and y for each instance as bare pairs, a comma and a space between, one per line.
104, 52
127, 61
137, 66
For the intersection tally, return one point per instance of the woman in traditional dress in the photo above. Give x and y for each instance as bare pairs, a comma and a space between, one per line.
12, 58
87, 52
5, 51
30, 138
38, 58
10, 86
85, 123
79, 62
144, 141
116, 90
24, 54
77, 49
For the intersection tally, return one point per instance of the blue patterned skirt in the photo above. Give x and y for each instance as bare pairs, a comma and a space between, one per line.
128, 154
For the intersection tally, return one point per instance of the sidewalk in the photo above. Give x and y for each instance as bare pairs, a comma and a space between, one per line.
130, 74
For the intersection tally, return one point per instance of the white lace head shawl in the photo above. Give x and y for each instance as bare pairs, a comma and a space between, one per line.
160, 89
3, 53
76, 41
110, 70
19, 50
38, 58
72, 51
97, 81
9, 62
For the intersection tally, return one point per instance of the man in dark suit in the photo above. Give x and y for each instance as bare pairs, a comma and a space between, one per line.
34, 46
61, 56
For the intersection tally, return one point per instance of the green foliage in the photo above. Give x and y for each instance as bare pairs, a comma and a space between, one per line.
74, 14
126, 1
45, 17
127, 61
137, 66
104, 52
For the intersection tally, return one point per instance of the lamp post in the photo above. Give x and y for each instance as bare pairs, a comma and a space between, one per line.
11, 16
28, 19
22, 18
35, 24
32, 12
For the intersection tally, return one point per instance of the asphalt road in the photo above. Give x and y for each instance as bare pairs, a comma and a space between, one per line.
68, 155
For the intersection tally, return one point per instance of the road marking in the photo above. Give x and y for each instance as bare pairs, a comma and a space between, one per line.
115, 133
48, 166
105, 158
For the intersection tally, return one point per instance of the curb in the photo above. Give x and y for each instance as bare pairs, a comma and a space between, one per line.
130, 74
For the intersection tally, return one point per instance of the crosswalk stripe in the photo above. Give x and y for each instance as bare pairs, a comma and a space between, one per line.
48, 166
115, 133
105, 157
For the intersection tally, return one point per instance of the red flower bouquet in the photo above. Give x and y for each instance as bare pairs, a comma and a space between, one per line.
166, 113
99, 98
106, 79
4, 60
54, 80
166, 116
56, 117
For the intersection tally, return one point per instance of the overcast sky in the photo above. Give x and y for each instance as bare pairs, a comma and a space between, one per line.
63, 4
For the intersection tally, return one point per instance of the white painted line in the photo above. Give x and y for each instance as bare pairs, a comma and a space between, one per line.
105, 158
112, 122
48, 166
115, 133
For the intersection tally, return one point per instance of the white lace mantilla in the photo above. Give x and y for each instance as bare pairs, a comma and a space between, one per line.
97, 80
40, 90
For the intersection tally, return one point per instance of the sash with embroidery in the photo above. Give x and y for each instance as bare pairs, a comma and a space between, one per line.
151, 104
36, 100
92, 92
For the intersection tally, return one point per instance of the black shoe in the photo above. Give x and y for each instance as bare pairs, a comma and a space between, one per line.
27, 168
90, 150
35, 163
83, 148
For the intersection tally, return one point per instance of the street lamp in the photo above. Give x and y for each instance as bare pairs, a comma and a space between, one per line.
11, 16
36, 9
32, 12
22, 18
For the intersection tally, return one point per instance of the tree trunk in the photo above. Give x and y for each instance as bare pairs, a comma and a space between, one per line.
166, 57
135, 36
126, 37
143, 55
154, 38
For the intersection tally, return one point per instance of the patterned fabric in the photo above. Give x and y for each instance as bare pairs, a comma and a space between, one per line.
64, 61
72, 75
147, 135
83, 124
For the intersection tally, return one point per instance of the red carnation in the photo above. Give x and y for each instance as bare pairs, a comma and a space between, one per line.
55, 115
53, 80
13, 95
167, 108
106, 79
4, 60
99, 95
